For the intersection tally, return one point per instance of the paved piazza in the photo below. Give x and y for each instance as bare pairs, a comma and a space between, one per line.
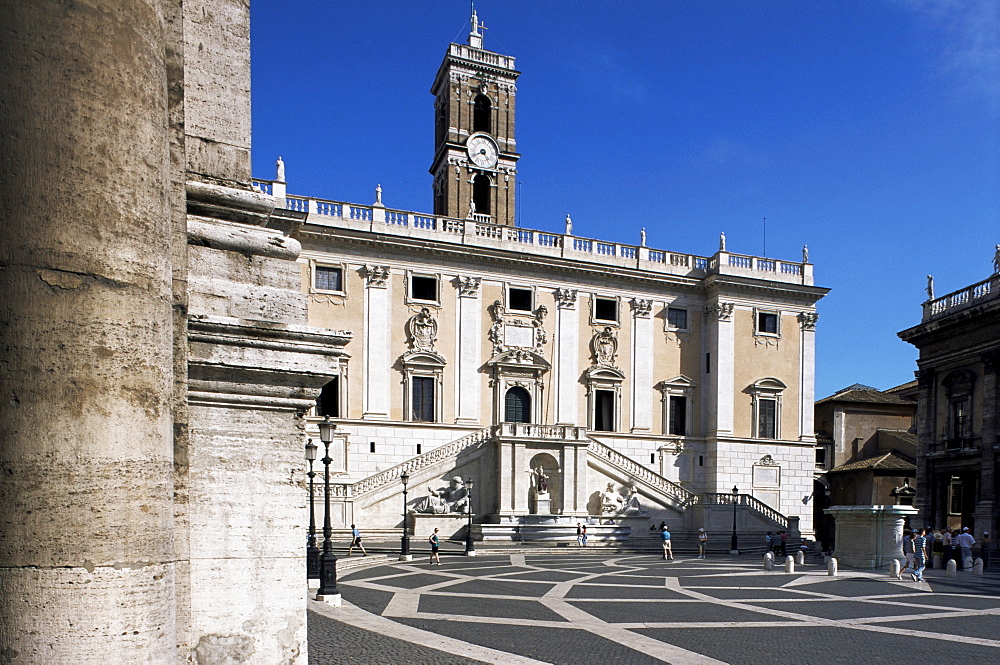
588, 609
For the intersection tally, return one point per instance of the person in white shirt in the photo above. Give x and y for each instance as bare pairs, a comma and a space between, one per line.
965, 542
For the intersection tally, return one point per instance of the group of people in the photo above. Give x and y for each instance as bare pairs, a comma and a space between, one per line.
923, 545
668, 550
777, 543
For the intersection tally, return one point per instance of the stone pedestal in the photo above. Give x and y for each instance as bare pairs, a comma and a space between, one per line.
869, 536
542, 504
450, 526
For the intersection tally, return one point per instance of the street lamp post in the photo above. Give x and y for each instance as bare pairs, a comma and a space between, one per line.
312, 552
404, 547
470, 548
328, 561
733, 545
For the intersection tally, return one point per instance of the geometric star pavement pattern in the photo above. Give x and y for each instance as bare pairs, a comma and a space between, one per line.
585, 609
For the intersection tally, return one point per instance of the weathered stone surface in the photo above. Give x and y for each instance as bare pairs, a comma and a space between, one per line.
86, 326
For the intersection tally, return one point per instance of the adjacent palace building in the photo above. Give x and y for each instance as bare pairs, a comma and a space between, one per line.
567, 377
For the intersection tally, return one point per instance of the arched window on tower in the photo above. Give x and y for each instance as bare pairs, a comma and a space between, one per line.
517, 406
481, 194
328, 402
482, 115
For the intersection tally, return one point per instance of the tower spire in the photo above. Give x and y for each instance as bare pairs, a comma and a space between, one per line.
475, 37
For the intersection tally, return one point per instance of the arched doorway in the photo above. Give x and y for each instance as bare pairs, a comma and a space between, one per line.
517, 406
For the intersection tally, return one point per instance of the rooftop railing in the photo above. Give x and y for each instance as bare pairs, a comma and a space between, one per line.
480, 231
970, 296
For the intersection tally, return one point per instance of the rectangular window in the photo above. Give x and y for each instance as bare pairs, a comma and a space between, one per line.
677, 318
767, 322
677, 415
328, 402
652, 458
606, 309
959, 417
519, 299
767, 411
371, 447
955, 503
423, 288
418, 448
604, 410
821, 457
423, 399
327, 278
708, 363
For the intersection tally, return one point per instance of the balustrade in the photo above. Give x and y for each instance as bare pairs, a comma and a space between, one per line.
970, 295
483, 228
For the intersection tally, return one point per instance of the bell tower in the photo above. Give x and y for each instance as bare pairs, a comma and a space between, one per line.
475, 156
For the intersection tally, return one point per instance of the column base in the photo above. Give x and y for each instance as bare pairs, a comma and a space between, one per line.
405, 557
334, 599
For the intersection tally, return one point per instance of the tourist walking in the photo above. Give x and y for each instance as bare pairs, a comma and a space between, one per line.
919, 556
581, 534
908, 552
668, 553
435, 546
702, 543
356, 541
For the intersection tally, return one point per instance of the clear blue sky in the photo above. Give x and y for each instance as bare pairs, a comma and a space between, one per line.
867, 129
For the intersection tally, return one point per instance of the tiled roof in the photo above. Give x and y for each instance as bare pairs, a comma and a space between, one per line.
892, 460
898, 435
866, 395
903, 387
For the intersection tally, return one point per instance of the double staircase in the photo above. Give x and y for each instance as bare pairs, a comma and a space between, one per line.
431, 466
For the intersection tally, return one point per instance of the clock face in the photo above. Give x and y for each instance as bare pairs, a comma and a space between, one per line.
482, 151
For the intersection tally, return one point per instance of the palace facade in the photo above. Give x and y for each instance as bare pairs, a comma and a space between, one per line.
486, 350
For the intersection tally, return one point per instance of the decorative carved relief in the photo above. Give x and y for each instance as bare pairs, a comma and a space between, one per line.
807, 320
565, 298
514, 331
376, 276
422, 329
468, 287
605, 347
641, 309
767, 460
723, 310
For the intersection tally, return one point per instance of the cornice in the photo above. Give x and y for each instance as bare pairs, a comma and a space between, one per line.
386, 247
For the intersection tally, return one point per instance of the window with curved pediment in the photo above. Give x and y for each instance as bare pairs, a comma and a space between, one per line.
423, 373
517, 406
604, 390
766, 396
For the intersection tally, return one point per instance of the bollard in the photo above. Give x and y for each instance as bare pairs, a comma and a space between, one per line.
977, 567
967, 563
800, 558
894, 568
789, 565
952, 568
831, 567
768, 561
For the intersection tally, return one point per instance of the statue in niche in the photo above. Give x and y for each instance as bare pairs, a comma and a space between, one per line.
633, 507
451, 499
611, 501
539, 480
605, 346
423, 330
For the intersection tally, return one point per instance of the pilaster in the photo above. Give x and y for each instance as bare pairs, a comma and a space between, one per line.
807, 375
642, 369
567, 371
719, 369
376, 343
468, 392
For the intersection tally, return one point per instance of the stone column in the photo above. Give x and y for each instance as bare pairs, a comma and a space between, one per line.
376, 343
807, 375
642, 367
468, 394
566, 367
986, 506
924, 501
87, 567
